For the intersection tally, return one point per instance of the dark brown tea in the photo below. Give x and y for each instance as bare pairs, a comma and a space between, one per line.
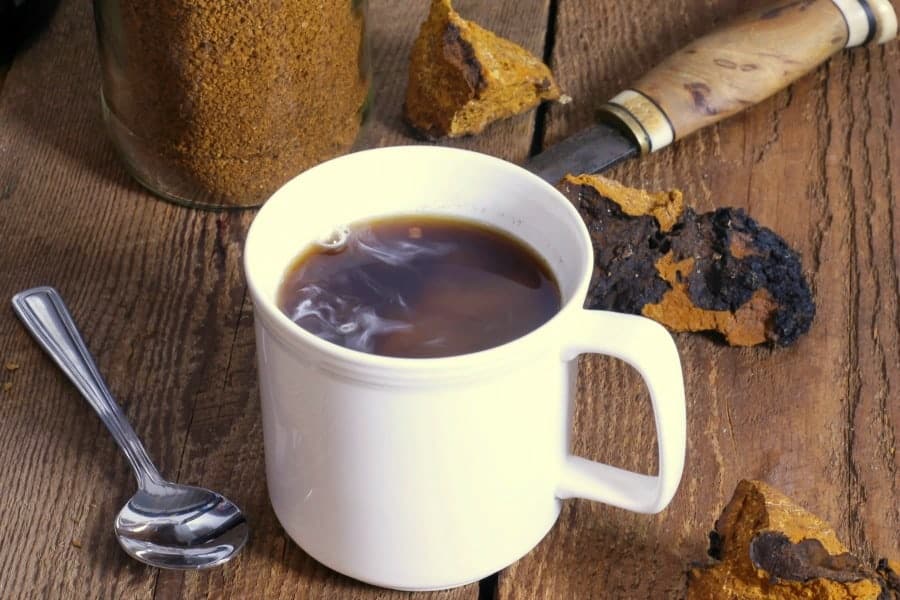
420, 287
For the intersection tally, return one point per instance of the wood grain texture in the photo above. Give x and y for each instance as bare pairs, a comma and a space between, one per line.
870, 177
159, 293
818, 163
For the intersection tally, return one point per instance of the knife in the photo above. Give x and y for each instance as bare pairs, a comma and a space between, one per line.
719, 75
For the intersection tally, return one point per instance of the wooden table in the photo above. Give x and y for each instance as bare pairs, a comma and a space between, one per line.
159, 292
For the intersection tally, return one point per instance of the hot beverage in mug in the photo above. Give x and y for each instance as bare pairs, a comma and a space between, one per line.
420, 287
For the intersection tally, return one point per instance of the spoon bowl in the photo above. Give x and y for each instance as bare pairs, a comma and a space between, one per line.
164, 524
181, 527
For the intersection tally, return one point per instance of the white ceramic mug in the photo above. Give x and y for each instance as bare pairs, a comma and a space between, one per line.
423, 474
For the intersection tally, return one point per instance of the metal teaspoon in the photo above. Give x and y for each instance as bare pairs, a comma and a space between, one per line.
164, 524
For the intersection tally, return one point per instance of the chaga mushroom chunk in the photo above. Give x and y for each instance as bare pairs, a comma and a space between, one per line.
767, 547
463, 77
890, 573
627, 245
718, 271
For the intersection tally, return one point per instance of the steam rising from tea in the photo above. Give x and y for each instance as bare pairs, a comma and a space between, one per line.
419, 287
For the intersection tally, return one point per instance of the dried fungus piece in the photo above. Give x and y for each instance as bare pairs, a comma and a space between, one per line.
626, 243
718, 271
890, 572
463, 77
767, 547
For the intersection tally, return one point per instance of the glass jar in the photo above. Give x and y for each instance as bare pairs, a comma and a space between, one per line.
217, 103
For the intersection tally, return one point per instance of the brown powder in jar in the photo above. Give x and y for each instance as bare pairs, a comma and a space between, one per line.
229, 98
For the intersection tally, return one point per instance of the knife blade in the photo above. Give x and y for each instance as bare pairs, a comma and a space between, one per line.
590, 151
719, 75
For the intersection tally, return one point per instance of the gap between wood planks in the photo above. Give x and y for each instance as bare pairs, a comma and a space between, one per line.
540, 118
487, 587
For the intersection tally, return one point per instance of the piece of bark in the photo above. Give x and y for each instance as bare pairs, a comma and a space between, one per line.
718, 271
767, 547
463, 77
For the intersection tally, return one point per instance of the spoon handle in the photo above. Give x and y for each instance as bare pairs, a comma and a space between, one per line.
44, 314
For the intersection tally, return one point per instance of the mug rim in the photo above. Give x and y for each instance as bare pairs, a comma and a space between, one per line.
276, 322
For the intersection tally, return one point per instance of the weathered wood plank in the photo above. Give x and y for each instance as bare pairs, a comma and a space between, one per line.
870, 146
63, 478
806, 164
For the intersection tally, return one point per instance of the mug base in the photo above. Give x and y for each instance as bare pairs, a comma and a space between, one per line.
428, 588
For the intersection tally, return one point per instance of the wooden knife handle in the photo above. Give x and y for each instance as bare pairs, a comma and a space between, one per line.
744, 62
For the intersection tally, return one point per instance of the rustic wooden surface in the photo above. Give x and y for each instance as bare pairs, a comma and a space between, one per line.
159, 293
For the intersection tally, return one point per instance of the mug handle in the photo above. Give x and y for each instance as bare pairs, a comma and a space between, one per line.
648, 347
